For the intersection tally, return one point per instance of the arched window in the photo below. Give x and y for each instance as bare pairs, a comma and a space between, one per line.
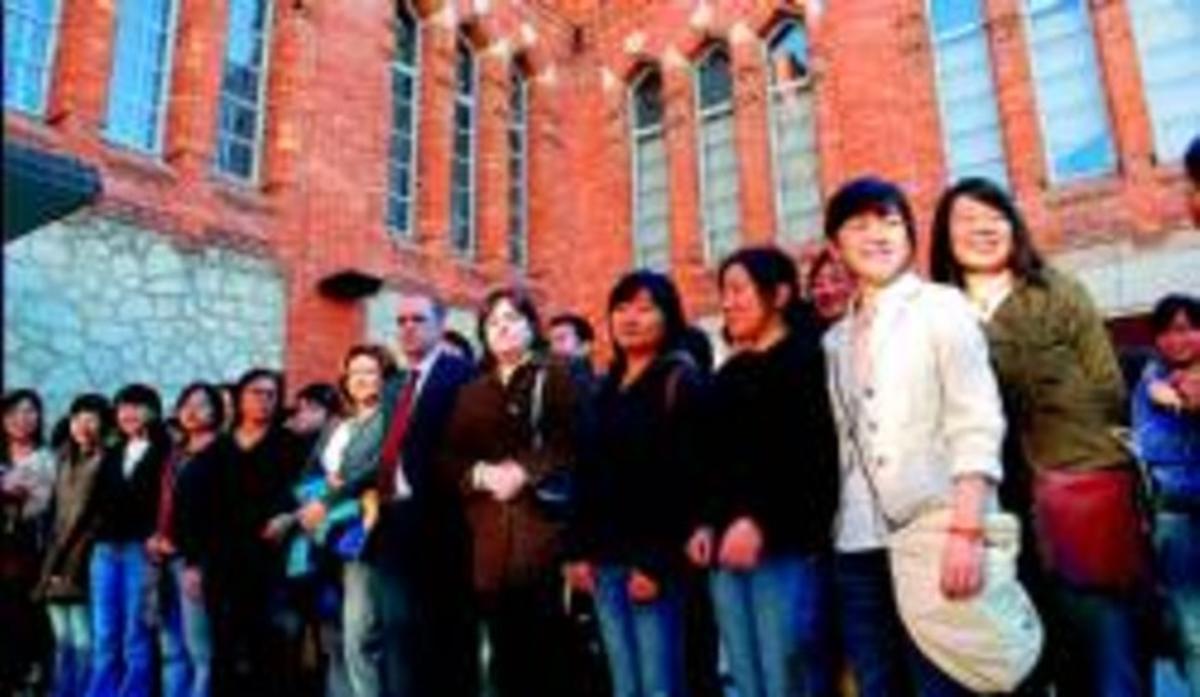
719, 208
793, 134
243, 86
966, 91
651, 194
1168, 43
30, 34
402, 149
462, 174
141, 74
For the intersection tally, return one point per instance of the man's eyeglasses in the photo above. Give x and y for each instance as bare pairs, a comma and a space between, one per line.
411, 319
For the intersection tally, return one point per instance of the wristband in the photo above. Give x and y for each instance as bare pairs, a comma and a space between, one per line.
973, 533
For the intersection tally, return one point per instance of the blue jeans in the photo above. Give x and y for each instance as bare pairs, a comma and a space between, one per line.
882, 658
123, 646
775, 628
1099, 643
185, 637
643, 641
378, 618
1177, 545
71, 624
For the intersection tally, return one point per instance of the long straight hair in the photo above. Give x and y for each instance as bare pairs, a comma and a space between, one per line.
1025, 262
11, 401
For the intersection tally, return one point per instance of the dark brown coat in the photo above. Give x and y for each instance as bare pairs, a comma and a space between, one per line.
65, 569
514, 542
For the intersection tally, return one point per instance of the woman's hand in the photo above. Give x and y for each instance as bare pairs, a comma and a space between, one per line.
741, 546
641, 588
277, 528
507, 480
700, 547
962, 563
312, 515
581, 576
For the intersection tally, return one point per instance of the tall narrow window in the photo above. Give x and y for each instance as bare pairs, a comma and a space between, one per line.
462, 176
793, 134
402, 147
1168, 42
141, 73
243, 86
966, 91
719, 210
651, 214
30, 32
518, 169
1070, 93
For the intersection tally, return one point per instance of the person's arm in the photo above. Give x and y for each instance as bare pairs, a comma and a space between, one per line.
360, 463
1093, 349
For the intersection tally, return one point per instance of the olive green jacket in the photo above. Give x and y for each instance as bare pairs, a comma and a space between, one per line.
1059, 375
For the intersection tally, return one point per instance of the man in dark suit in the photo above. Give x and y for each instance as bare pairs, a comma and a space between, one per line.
420, 539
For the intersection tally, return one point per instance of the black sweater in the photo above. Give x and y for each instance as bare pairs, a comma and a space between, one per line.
634, 477
127, 507
197, 513
774, 446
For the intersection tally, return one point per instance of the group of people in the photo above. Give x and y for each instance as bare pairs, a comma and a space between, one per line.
432, 524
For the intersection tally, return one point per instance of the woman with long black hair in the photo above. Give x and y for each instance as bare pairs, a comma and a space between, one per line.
632, 522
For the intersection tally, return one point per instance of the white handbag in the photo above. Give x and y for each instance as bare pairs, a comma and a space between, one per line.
989, 642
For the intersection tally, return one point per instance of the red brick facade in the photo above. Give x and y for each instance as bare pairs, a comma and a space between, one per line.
320, 205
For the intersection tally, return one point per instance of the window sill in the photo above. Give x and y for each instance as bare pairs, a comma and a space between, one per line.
138, 163
1078, 191
240, 194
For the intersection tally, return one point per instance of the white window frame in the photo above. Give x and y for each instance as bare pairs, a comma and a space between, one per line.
1053, 177
520, 84
703, 114
639, 134
164, 89
773, 90
260, 116
936, 40
49, 63
414, 108
473, 132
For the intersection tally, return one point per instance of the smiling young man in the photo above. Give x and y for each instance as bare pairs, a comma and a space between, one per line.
920, 426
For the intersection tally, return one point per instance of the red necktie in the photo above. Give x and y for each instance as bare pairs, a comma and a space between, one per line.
392, 442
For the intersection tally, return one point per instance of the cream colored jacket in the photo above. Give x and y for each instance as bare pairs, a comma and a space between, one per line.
929, 410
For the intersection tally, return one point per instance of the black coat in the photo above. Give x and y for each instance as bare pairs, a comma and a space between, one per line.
774, 445
127, 508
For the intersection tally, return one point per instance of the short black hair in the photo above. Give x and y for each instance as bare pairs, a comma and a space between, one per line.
868, 194
770, 268
578, 324
254, 375
460, 342
212, 393
1025, 263
322, 393
665, 297
142, 395
10, 402
1169, 307
89, 403
1191, 161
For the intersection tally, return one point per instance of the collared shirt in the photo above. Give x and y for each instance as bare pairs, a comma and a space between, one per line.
422, 370
926, 410
134, 451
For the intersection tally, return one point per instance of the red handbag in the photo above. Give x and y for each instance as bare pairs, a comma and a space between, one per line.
1091, 527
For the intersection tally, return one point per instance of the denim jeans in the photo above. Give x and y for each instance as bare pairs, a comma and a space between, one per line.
1177, 545
774, 625
643, 641
1099, 643
882, 658
122, 640
185, 637
378, 618
71, 624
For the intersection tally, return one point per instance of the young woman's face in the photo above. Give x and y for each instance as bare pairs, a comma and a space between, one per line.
638, 325
132, 419
21, 421
85, 429
196, 413
260, 400
981, 238
1179, 344
746, 316
364, 380
875, 246
508, 331
831, 290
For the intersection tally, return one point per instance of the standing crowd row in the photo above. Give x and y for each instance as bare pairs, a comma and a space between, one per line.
434, 526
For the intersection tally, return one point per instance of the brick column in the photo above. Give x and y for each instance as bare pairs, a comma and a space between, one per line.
491, 153
752, 137
435, 138
690, 269
79, 93
196, 85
